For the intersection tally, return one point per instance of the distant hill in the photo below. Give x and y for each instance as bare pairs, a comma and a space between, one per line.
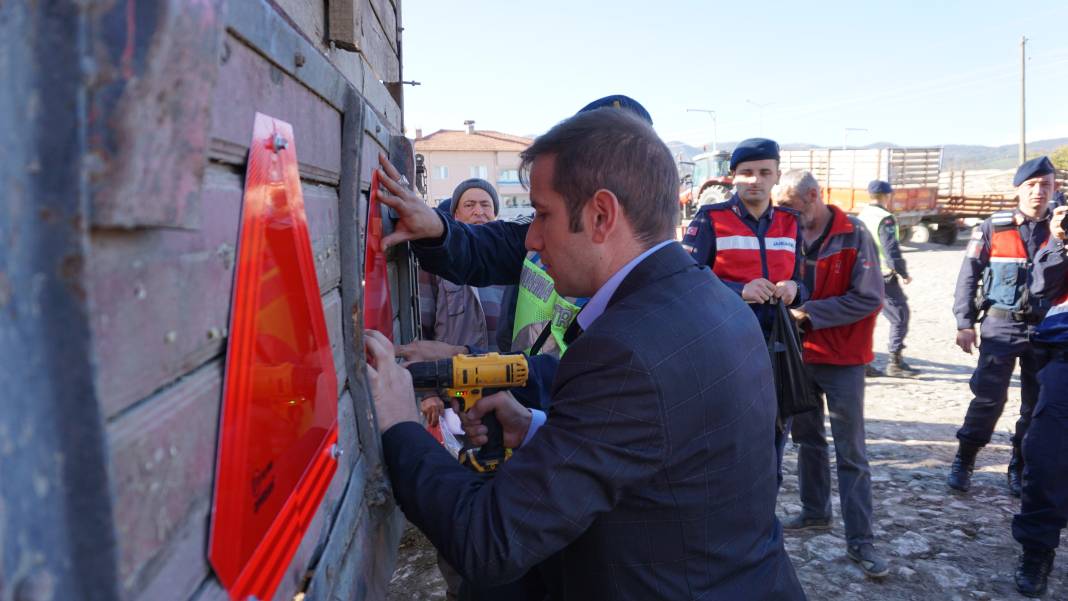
954, 156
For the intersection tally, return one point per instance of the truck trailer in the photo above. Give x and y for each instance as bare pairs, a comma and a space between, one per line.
128, 132
844, 175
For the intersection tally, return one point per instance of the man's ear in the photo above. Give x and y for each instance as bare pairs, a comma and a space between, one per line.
603, 213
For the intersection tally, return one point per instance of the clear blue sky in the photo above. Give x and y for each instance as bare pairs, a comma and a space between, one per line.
908, 72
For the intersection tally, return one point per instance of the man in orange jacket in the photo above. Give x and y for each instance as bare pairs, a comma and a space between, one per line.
841, 268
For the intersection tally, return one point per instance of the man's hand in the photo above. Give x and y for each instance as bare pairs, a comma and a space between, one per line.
391, 384
759, 291
1055, 228
427, 350
786, 291
907, 279
417, 220
515, 419
966, 339
432, 408
801, 317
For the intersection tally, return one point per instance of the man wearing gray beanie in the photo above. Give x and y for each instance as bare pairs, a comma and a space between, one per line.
475, 201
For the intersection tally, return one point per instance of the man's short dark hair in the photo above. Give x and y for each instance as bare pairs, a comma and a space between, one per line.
617, 151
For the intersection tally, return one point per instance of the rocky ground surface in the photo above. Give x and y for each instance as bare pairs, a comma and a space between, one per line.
940, 545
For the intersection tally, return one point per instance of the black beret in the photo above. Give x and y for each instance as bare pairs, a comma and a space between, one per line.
878, 186
619, 101
1033, 168
754, 149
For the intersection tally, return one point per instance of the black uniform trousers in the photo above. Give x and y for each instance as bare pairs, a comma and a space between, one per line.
896, 311
1003, 343
1044, 504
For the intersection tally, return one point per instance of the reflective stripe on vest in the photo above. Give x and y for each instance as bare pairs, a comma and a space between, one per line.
738, 254
1005, 280
539, 305
872, 217
1054, 328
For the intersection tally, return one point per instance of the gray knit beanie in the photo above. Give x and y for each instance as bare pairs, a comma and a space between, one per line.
475, 182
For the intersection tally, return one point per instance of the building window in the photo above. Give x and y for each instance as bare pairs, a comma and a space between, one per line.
441, 172
508, 176
479, 171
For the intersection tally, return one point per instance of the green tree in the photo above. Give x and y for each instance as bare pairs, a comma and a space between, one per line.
1059, 156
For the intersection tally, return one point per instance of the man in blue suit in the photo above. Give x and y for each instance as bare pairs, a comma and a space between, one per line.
653, 474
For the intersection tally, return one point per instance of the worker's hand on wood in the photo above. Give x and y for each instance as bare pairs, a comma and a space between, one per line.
515, 419
417, 220
391, 384
433, 408
759, 290
966, 339
786, 291
427, 350
1056, 229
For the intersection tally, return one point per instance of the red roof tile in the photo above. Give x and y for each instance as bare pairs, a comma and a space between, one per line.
481, 140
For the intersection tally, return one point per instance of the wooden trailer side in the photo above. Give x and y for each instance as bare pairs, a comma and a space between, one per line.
171, 89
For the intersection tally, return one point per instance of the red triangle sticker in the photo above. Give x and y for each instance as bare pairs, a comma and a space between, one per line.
279, 418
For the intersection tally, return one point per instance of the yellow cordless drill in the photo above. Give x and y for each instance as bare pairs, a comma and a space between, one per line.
467, 378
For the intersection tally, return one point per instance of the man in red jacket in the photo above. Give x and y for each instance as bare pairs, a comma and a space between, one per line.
841, 269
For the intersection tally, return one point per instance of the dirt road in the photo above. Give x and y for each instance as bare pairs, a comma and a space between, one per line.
941, 546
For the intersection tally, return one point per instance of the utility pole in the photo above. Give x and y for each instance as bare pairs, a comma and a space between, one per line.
710, 113
1023, 99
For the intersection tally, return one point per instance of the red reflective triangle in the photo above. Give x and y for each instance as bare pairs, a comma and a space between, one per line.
279, 415
377, 307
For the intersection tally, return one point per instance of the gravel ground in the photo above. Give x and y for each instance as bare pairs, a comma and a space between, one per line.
941, 546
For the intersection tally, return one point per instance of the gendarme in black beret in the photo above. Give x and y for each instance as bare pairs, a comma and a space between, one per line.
619, 101
1033, 168
878, 186
754, 149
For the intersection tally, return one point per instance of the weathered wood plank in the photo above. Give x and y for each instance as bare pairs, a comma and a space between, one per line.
351, 66
211, 590
333, 315
376, 137
263, 87
163, 461
362, 547
162, 296
309, 16
379, 97
386, 14
162, 464
378, 51
322, 525
156, 64
344, 21
263, 27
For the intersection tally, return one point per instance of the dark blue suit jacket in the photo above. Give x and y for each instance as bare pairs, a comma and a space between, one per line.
654, 476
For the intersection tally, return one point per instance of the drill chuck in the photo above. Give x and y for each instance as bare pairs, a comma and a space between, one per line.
431, 375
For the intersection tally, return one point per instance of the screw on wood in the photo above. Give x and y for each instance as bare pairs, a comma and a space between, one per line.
336, 451
279, 142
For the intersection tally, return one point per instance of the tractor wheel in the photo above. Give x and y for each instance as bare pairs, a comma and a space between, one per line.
714, 194
919, 234
945, 234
